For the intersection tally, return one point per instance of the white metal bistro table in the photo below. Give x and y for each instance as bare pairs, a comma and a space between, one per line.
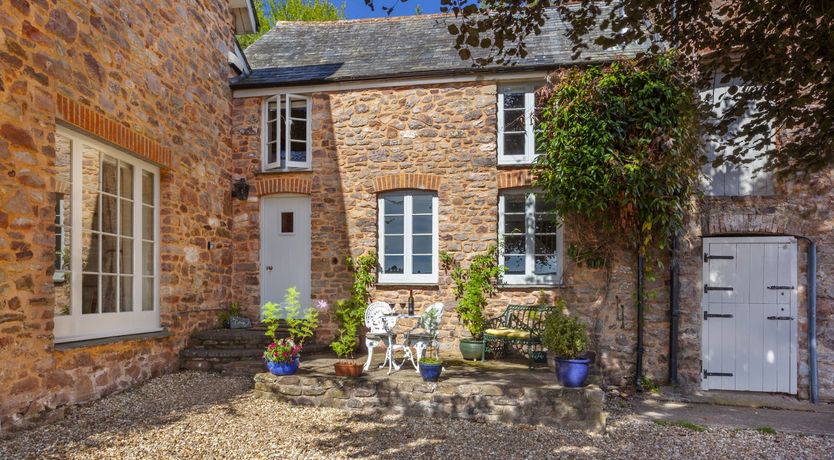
390, 324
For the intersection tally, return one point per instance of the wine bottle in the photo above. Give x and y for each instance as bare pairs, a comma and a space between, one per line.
410, 302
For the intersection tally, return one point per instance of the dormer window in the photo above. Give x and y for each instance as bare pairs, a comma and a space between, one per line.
287, 138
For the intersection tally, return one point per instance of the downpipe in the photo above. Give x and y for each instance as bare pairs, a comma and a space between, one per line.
638, 375
812, 320
674, 308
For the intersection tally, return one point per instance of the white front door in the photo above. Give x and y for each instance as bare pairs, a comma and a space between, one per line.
285, 247
749, 314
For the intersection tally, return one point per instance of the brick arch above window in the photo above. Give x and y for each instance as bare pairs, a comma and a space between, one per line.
272, 185
406, 181
513, 179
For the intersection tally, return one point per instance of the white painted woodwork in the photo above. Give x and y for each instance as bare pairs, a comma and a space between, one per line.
760, 353
285, 253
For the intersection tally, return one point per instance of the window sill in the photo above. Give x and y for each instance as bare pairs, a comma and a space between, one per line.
560, 285
284, 171
108, 340
406, 284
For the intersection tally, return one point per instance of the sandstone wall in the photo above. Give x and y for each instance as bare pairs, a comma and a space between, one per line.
150, 77
437, 137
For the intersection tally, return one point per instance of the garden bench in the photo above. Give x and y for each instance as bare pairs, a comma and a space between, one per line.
521, 327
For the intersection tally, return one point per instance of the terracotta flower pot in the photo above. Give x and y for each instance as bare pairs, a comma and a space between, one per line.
348, 369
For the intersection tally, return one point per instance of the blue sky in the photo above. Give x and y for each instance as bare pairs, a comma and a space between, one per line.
357, 9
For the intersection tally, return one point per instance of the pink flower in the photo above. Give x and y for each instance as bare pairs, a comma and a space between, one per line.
321, 305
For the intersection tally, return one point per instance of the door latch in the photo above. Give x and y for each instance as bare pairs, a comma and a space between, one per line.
708, 257
780, 287
708, 288
780, 318
717, 315
269, 268
717, 374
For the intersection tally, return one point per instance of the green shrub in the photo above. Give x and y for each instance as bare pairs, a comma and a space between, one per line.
300, 327
472, 287
565, 336
351, 312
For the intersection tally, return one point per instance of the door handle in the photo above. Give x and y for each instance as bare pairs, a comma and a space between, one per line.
780, 318
269, 268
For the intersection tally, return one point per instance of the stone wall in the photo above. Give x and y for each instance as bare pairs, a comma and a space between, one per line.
441, 138
151, 78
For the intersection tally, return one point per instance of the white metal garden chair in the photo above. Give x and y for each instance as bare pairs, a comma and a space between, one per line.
424, 335
380, 321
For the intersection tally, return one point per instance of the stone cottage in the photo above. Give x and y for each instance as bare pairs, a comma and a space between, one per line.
123, 129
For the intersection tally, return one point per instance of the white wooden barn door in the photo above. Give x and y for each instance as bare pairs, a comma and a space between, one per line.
749, 314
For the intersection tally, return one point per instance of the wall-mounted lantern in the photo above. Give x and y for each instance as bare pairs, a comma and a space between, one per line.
240, 189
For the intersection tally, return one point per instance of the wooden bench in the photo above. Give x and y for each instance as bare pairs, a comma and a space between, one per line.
521, 327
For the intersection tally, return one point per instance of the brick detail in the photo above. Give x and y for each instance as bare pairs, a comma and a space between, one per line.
405, 181
271, 185
86, 118
517, 178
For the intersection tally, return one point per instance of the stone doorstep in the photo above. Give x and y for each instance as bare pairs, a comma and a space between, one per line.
221, 354
740, 399
581, 409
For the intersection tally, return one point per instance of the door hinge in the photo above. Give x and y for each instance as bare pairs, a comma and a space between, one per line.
780, 318
716, 315
708, 257
717, 374
708, 288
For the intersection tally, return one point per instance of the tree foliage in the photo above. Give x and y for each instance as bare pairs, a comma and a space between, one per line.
782, 49
271, 11
621, 149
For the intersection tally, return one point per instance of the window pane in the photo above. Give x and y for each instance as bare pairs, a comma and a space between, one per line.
421, 224
514, 244
547, 223
89, 252
421, 264
514, 101
272, 154
126, 180
108, 254
546, 265
147, 259
298, 108
63, 162
515, 224
147, 223
108, 213
298, 130
298, 151
63, 294
91, 161
126, 293
108, 175
545, 244
393, 225
422, 245
514, 264
514, 144
89, 294
271, 131
287, 222
90, 210
393, 264
126, 256
514, 120
544, 205
127, 218
515, 203
147, 188
393, 204
421, 204
147, 294
393, 245
108, 294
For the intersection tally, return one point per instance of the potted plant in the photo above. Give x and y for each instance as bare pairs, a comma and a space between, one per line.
282, 357
299, 326
232, 319
472, 287
351, 316
430, 367
567, 338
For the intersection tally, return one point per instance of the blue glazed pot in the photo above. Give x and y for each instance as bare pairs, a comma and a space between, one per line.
282, 368
430, 372
572, 373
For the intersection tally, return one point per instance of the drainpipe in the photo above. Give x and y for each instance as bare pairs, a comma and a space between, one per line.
812, 319
638, 375
674, 309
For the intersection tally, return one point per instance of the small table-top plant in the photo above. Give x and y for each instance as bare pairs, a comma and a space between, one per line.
567, 339
430, 365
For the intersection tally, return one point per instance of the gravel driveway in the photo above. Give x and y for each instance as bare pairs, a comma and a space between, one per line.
197, 415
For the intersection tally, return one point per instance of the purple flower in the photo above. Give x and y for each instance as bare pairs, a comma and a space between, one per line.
322, 305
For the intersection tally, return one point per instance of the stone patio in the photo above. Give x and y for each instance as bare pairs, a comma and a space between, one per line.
492, 391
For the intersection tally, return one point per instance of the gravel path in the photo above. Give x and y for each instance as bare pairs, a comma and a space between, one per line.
197, 415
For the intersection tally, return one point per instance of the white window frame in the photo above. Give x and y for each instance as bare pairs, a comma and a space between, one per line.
78, 326
529, 278
529, 90
284, 100
407, 277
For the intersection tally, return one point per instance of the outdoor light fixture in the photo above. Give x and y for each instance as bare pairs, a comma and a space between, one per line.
240, 189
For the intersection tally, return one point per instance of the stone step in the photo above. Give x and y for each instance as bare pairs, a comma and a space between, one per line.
245, 367
224, 354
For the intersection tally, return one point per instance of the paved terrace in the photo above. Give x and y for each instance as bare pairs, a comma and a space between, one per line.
491, 391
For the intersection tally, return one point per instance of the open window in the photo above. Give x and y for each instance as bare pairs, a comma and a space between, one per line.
517, 124
287, 133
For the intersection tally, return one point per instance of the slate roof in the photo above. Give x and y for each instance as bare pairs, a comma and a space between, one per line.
298, 53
